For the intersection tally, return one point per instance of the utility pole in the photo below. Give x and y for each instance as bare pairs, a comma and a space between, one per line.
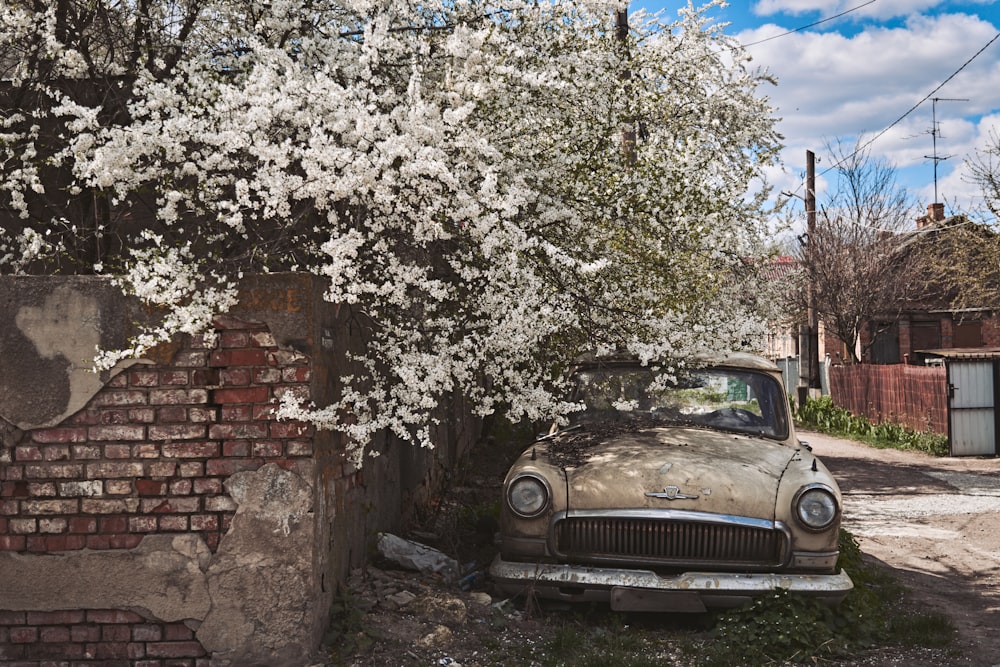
811, 297
809, 332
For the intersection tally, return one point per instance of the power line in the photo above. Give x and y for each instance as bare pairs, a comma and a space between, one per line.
913, 108
811, 25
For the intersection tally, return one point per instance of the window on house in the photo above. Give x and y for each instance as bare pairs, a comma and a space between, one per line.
968, 334
925, 336
885, 347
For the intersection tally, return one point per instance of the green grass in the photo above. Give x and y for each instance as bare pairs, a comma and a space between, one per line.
820, 414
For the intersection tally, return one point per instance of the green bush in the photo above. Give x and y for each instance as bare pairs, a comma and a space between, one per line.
822, 415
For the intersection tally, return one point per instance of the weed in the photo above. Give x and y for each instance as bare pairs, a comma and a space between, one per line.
822, 415
785, 627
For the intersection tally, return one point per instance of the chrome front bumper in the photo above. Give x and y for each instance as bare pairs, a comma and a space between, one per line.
644, 590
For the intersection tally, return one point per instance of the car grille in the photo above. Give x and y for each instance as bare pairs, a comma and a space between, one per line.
668, 542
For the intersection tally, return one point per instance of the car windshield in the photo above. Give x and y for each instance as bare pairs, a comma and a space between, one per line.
724, 399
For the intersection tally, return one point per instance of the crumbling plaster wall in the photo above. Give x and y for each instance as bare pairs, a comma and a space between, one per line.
164, 497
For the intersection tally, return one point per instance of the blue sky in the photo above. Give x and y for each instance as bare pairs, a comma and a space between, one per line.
862, 74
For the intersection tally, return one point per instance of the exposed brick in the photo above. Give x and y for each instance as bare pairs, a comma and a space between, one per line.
54, 633
147, 633
110, 417
207, 485
191, 358
120, 487
54, 471
174, 523
118, 381
55, 452
220, 504
145, 451
54, 435
227, 467
27, 453
112, 470
114, 524
103, 616
119, 398
175, 378
179, 504
162, 469
176, 632
189, 649
268, 449
236, 413
13, 543
266, 375
192, 469
142, 415
240, 395
50, 506
41, 543
85, 633
86, 452
296, 374
202, 415
237, 431
150, 487
234, 339
23, 526
177, 432
11, 472
206, 377
118, 451
173, 413
190, 450
181, 487
204, 522
263, 339
118, 432
42, 490
23, 635
298, 391
82, 524
12, 617
286, 358
234, 377
129, 541
178, 396
237, 448
290, 429
142, 524
67, 617
103, 506
144, 378
81, 489
110, 650
118, 632
53, 526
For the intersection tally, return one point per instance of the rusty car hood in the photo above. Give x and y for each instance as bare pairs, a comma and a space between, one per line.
671, 468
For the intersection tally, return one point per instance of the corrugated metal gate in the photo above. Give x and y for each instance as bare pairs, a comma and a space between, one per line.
972, 408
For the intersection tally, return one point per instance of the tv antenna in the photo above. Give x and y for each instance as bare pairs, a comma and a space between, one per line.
935, 131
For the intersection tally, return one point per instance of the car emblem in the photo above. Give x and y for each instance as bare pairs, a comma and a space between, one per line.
671, 493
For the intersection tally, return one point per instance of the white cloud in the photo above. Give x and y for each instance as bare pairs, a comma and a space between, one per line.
838, 86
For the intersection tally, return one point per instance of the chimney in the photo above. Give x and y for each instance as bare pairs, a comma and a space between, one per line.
935, 213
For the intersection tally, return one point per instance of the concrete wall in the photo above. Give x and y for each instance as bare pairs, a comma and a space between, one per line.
158, 514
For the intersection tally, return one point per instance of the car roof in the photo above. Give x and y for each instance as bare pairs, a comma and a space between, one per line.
741, 360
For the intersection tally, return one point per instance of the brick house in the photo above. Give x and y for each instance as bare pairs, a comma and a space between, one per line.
929, 321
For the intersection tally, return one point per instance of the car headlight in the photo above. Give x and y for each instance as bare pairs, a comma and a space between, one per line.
528, 496
816, 507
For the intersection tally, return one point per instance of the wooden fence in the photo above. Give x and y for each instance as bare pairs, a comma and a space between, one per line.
915, 396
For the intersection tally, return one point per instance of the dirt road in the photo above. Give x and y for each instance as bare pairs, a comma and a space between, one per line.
936, 522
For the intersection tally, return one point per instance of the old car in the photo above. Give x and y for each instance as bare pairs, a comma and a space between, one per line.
671, 491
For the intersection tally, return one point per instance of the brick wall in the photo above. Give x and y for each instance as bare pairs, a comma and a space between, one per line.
161, 517
151, 451
99, 636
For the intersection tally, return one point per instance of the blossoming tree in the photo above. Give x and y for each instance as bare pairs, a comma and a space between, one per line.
491, 187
